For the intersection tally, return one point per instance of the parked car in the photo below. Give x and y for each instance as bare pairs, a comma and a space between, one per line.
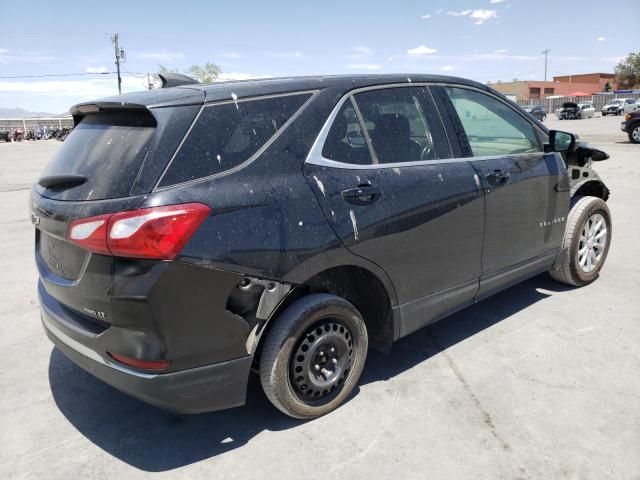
575, 111
587, 110
286, 225
537, 111
631, 126
568, 111
619, 106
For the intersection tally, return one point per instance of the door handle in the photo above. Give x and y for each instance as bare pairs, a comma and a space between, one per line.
361, 195
497, 176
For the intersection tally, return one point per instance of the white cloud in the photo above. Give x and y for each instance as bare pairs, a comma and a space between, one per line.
447, 68
364, 66
439, 11
480, 16
424, 17
296, 54
497, 1
601, 39
421, 50
462, 13
231, 55
101, 69
161, 56
501, 50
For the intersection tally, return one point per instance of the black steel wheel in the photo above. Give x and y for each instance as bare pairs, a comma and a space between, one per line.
321, 361
313, 355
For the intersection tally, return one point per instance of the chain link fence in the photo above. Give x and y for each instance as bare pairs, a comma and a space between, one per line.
551, 104
26, 124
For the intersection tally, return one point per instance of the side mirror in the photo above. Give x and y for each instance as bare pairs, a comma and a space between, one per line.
561, 141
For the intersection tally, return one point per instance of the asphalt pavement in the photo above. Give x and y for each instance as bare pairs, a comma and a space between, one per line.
540, 381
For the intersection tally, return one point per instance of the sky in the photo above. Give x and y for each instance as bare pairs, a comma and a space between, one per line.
485, 40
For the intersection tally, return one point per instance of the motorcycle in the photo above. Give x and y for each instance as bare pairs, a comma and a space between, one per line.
18, 135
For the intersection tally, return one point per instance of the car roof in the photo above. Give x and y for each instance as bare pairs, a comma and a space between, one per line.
197, 93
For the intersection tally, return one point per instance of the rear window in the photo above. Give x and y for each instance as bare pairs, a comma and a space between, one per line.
226, 135
108, 149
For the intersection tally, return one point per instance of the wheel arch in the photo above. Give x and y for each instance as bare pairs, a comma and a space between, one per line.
358, 285
590, 188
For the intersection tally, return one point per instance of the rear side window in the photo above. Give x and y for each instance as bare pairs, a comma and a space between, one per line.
345, 142
108, 149
226, 135
401, 129
492, 127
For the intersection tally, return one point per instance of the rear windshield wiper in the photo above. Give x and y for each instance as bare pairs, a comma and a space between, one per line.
62, 181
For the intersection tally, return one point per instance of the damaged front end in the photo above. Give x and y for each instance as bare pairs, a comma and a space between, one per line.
583, 179
578, 157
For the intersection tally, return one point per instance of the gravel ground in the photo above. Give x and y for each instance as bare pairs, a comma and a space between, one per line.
540, 381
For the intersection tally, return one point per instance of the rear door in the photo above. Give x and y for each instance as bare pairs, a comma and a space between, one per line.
384, 174
526, 190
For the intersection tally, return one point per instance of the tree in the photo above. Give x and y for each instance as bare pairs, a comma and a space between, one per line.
628, 71
205, 74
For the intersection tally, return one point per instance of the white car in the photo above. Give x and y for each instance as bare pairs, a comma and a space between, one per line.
619, 106
587, 110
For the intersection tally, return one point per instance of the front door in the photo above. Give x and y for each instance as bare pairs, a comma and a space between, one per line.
386, 181
526, 205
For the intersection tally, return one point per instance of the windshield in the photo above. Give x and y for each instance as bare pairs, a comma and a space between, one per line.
615, 102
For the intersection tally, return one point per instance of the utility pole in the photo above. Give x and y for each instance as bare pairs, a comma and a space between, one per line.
546, 52
120, 57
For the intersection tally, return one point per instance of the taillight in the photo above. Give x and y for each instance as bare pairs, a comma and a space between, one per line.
157, 232
90, 233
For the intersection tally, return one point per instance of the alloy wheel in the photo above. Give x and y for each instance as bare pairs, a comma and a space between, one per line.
593, 240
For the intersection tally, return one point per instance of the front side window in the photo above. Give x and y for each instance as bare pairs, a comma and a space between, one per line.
492, 127
399, 127
345, 142
226, 135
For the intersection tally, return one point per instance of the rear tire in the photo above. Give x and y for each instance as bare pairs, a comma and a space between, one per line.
585, 244
313, 356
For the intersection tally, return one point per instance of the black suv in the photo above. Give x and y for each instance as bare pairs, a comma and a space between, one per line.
187, 235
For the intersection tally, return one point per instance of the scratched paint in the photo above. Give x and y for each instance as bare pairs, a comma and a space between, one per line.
354, 223
320, 185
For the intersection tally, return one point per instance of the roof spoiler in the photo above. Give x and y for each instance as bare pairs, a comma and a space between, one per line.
174, 79
83, 109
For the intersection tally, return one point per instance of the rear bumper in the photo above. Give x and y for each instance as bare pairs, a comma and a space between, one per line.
196, 390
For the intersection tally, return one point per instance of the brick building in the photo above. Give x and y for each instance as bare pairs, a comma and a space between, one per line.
587, 83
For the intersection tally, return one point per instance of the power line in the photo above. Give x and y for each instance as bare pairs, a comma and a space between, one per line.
546, 53
45, 75
120, 57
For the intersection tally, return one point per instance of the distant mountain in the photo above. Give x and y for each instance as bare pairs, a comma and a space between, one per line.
22, 113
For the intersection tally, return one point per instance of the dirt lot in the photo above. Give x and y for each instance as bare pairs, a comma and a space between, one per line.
541, 381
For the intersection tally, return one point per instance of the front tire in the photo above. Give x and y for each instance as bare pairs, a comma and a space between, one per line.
585, 244
313, 356
634, 134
